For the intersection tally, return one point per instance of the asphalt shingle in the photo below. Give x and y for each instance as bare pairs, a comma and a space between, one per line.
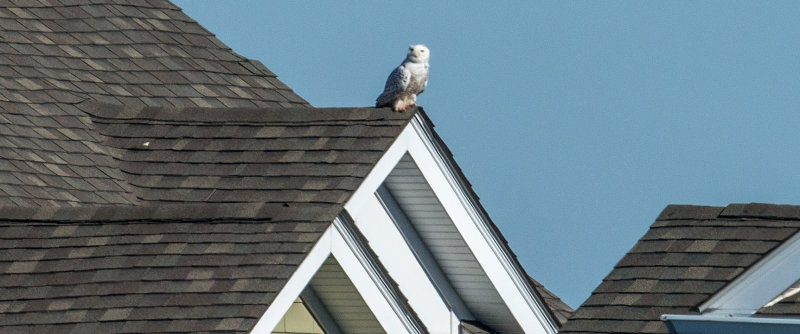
558, 309
689, 254
298, 155
55, 54
183, 266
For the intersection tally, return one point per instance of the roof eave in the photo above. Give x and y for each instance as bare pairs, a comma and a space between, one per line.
698, 324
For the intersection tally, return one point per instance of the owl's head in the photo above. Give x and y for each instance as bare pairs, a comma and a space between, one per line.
418, 53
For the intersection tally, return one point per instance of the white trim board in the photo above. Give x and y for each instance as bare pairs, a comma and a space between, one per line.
423, 255
335, 242
510, 281
760, 284
398, 258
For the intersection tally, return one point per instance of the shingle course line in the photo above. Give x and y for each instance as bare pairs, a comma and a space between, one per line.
177, 213
141, 86
156, 265
266, 189
184, 253
75, 201
35, 148
166, 295
152, 290
45, 59
83, 93
163, 233
166, 116
255, 276
120, 238
134, 307
97, 18
236, 201
683, 266
48, 4
182, 317
80, 221
247, 164
388, 123
239, 138
55, 186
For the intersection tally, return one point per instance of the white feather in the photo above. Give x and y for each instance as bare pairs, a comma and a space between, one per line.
407, 80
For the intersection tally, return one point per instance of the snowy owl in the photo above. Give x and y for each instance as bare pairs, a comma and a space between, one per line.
406, 81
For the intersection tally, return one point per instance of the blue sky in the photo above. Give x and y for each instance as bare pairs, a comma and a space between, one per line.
576, 122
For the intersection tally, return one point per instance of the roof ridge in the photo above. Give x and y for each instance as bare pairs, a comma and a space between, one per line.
733, 210
200, 115
762, 210
683, 211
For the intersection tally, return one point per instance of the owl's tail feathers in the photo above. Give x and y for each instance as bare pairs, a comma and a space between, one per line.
387, 98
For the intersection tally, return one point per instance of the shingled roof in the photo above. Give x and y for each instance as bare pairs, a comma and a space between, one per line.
689, 254
134, 113
133, 269
55, 54
222, 155
161, 265
125, 52
557, 308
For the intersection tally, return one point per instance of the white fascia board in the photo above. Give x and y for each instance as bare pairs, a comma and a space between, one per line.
508, 279
398, 258
704, 324
335, 241
404, 226
361, 197
762, 282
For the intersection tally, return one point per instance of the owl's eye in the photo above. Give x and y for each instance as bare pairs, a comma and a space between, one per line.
421, 50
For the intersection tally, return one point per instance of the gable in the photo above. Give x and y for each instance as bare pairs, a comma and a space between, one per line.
443, 267
346, 286
415, 207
